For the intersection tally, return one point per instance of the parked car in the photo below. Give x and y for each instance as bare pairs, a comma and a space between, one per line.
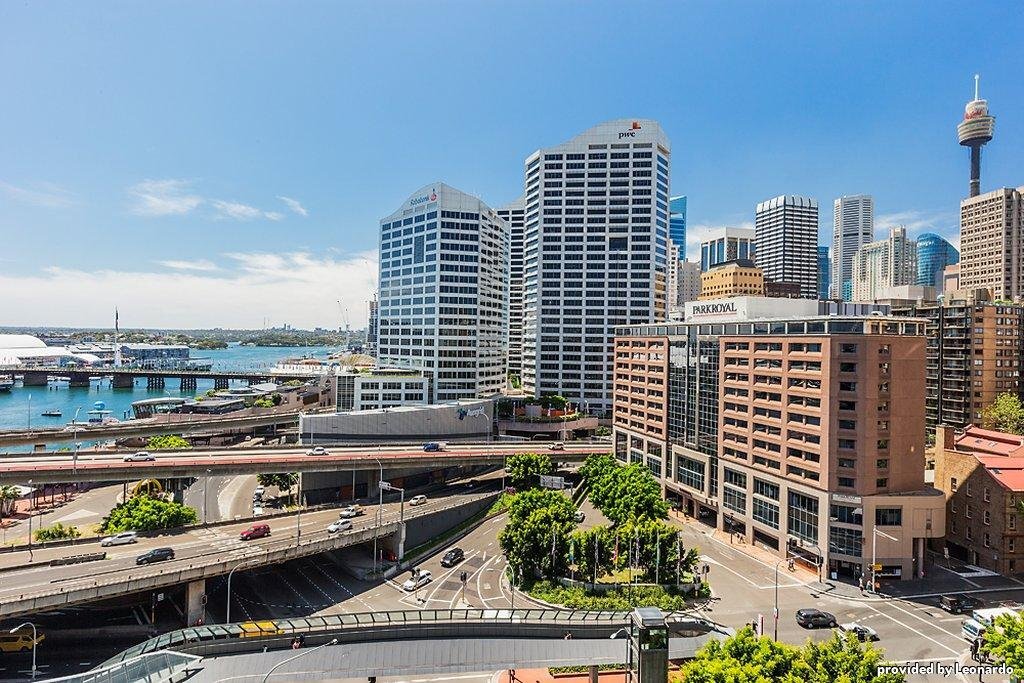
434, 446
557, 446
257, 510
317, 450
255, 531
350, 511
19, 642
418, 500
453, 557
340, 525
141, 456
123, 538
155, 555
862, 632
258, 493
959, 604
815, 618
579, 516
420, 578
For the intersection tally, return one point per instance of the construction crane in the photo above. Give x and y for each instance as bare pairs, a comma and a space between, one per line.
348, 326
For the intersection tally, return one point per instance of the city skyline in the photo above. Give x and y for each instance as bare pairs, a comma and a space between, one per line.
260, 181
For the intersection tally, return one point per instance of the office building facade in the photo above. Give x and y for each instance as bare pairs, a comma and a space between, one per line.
798, 431
677, 223
853, 226
514, 214
726, 244
444, 292
824, 273
371, 325
786, 233
933, 255
884, 264
731, 279
596, 254
991, 249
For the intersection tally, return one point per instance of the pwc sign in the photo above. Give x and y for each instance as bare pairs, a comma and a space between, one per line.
631, 133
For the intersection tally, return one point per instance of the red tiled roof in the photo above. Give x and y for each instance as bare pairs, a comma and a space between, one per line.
1011, 479
987, 441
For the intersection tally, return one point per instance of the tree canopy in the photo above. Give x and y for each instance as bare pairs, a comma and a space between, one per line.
748, 658
535, 538
56, 532
1004, 414
524, 469
1005, 642
165, 441
282, 480
624, 493
147, 513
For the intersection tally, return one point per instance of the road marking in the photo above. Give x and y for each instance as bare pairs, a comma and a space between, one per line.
914, 630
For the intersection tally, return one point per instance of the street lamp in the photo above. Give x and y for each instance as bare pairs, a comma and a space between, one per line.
292, 659
875, 533
385, 486
776, 610
34, 639
227, 617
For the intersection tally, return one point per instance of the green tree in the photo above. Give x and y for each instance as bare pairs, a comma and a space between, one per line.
282, 480
1005, 642
623, 492
535, 538
146, 513
8, 494
56, 532
1004, 414
165, 441
524, 469
263, 402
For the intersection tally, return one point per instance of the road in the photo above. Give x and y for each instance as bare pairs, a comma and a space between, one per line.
110, 466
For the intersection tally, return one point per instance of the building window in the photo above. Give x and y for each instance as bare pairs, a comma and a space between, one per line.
1009, 544
987, 540
967, 511
967, 488
985, 494
803, 517
987, 517
888, 516
846, 514
1011, 521
952, 483
734, 500
690, 472
845, 541
846, 482
968, 534
881, 483
766, 513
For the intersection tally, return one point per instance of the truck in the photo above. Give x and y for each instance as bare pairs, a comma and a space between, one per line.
434, 446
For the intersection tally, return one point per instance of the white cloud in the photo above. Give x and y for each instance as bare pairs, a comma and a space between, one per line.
168, 197
242, 212
294, 205
297, 288
200, 265
42, 194
697, 233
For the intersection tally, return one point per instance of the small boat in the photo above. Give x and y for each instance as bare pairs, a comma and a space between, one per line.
51, 413
6, 382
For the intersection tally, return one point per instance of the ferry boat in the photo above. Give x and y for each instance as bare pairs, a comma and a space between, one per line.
6, 382
51, 413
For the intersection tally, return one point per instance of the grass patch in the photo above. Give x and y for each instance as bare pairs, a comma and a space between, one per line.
618, 600
501, 504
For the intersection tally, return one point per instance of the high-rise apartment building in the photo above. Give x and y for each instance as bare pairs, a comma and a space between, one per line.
514, 215
683, 283
933, 255
797, 429
786, 233
726, 244
853, 225
596, 254
975, 351
677, 223
883, 264
371, 326
992, 244
824, 273
444, 263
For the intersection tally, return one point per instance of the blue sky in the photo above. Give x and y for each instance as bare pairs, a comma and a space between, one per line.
201, 163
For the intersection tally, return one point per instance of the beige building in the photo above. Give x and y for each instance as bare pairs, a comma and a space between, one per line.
739, 277
991, 249
800, 433
883, 264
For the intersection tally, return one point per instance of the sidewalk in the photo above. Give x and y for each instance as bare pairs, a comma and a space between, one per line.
542, 676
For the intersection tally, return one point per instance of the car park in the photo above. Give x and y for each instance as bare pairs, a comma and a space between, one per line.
860, 631
815, 618
155, 555
255, 531
317, 450
340, 525
350, 511
123, 538
419, 578
959, 604
453, 557
141, 456
418, 500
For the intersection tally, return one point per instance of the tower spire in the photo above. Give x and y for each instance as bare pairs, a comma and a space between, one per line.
977, 78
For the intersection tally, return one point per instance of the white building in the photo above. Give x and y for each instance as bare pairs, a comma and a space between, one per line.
883, 264
514, 215
380, 388
24, 350
786, 233
443, 305
683, 282
726, 244
596, 254
853, 226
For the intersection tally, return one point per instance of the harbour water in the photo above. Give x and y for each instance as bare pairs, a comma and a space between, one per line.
18, 410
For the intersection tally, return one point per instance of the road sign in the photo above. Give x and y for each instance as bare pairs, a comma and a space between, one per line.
551, 482
385, 485
877, 567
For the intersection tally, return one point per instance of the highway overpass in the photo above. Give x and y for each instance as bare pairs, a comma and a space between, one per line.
95, 466
30, 583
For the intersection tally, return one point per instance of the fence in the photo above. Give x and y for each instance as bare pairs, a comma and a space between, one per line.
160, 666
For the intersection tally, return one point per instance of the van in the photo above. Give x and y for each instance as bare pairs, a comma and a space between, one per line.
987, 617
257, 629
971, 630
958, 604
18, 642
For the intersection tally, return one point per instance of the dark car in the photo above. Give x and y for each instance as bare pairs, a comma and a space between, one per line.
959, 604
155, 555
815, 618
453, 557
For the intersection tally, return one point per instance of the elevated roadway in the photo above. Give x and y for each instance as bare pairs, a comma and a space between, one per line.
95, 466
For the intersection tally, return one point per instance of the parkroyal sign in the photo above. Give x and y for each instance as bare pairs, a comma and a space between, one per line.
727, 308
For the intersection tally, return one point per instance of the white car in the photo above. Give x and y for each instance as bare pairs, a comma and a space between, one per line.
257, 510
340, 525
418, 500
862, 632
417, 580
259, 492
141, 456
123, 538
557, 446
350, 511
317, 450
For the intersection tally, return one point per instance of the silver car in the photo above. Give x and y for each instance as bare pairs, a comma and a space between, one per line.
123, 538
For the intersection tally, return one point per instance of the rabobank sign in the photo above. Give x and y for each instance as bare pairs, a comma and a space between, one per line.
416, 201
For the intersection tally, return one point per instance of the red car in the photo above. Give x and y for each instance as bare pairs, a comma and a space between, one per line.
255, 531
